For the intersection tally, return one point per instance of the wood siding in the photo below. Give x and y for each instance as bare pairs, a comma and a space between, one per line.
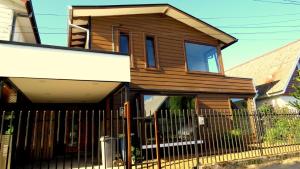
170, 35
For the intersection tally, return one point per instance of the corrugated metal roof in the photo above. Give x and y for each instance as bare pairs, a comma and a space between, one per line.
272, 71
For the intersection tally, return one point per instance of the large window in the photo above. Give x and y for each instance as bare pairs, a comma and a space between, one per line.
201, 57
124, 43
150, 52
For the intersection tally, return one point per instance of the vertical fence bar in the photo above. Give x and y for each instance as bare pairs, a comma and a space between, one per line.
79, 139
57, 137
219, 123
172, 135
117, 138
241, 136
195, 138
111, 136
86, 139
104, 133
151, 139
128, 113
65, 137
216, 140
163, 135
223, 130
205, 140
146, 138
199, 125
228, 139
184, 133
93, 144
260, 130
99, 136
177, 135
168, 138
157, 140
181, 138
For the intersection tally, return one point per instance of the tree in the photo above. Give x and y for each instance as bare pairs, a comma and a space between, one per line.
296, 93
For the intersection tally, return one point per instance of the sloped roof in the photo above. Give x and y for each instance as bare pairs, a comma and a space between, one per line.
272, 71
166, 9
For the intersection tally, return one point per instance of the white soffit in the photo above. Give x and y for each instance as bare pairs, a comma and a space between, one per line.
58, 63
164, 9
64, 91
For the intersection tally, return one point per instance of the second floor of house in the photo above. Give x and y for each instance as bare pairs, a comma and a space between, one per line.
167, 47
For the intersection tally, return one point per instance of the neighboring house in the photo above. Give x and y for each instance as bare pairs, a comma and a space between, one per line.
17, 22
124, 55
273, 73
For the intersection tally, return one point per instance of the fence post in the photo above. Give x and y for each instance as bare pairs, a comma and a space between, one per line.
128, 119
157, 140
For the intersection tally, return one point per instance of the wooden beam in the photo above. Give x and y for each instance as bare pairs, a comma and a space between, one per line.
128, 118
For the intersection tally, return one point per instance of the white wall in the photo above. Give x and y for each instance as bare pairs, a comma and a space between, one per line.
49, 63
277, 101
23, 29
6, 17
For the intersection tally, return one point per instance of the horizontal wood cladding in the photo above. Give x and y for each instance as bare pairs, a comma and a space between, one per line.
170, 35
214, 102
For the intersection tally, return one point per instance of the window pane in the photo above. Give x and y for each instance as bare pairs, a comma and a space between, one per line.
150, 52
237, 103
161, 103
124, 43
167, 108
201, 57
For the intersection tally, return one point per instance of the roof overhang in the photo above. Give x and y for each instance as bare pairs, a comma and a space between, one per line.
50, 62
117, 10
49, 74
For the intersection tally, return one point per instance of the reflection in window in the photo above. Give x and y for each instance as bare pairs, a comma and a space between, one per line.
124, 43
237, 103
201, 57
240, 116
150, 52
174, 117
158, 102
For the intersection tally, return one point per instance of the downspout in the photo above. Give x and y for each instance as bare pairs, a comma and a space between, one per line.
84, 29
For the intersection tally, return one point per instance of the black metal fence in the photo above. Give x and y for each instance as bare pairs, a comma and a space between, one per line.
93, 138
189, 138
69, 138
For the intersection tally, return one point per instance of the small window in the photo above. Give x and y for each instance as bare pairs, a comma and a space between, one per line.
201, 57
150, 52
124, 43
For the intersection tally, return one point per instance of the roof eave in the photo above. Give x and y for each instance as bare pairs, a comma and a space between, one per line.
226, 44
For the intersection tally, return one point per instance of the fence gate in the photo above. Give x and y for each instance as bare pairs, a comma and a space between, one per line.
166, 139
62, 137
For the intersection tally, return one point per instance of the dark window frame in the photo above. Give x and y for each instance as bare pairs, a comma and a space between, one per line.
130, 44
119, 41
155, 48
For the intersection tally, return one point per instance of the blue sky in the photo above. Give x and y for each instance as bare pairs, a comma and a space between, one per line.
259, 26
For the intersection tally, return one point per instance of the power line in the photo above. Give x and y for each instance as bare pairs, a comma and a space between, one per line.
223, 17
137, 32
278, 2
